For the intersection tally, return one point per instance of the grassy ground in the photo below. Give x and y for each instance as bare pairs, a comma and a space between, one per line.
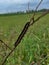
33, 46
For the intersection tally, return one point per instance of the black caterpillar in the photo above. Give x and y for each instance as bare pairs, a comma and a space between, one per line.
22, 33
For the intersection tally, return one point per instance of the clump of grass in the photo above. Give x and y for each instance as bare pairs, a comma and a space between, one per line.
33, 46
